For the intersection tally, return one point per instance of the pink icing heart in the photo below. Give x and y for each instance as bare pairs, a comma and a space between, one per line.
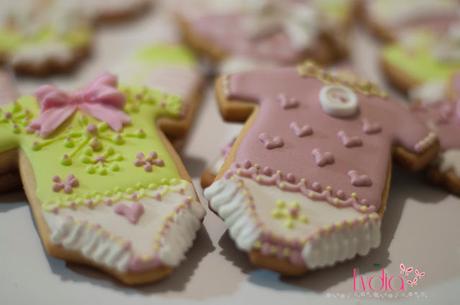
371, 127
133, 212
359, 180
288, 103
271, 142
301, 131
322, 159
348, 141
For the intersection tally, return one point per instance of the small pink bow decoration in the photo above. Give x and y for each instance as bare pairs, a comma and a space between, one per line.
101, 99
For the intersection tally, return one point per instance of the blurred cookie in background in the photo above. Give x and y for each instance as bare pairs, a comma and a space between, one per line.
386, 18
8, 89
443, 117
113, 10
171, 68
424, 56
8, 93
280, 32
43, 37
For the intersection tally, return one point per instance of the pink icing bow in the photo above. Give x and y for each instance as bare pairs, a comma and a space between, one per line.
101, 99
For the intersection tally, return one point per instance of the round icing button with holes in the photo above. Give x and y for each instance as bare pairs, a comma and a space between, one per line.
338, 101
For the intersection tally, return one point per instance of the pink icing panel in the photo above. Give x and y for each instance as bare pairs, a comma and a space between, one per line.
444, 117
456, 85
370, 159
8, 91
227, 32
435, 23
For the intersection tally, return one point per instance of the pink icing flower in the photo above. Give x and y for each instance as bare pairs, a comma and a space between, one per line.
67, 185
101, 100
148, 161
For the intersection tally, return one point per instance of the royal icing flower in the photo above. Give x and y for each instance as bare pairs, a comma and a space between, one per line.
148, 162
289, 213
66, 185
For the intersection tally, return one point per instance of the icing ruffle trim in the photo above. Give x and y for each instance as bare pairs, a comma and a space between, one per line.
93, 242
336, 243
97, 244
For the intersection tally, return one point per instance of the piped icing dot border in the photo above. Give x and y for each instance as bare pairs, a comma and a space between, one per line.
312, 190
426, 143
139, 191
311, 69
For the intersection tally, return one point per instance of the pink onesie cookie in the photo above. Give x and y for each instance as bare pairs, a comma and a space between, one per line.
443, 117
306, 182
282, 32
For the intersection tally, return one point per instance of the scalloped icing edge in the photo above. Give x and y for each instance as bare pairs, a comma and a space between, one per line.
229, 200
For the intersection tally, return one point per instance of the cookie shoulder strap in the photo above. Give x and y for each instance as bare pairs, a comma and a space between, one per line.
412, 134
239, 93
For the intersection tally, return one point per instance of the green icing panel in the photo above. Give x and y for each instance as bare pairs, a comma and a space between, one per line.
117, 177
11, 40
418, 62
161, 54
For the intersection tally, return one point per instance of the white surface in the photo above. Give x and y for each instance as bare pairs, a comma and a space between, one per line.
420, 229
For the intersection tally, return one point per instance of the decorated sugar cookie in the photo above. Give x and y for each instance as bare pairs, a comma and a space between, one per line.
210, 173
112, 10
105, 187
387, 17
236, 66
8, 93
281, 32
42, 37
443, 117
8, 90
424, 54
170, 68
306, 183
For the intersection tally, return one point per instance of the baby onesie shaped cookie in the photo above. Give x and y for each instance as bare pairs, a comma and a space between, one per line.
425, 53
112, 10
43, 37
170, 68
8, 93
387, 17
281, 32
306, 182
8, 90
105, 187
443, 118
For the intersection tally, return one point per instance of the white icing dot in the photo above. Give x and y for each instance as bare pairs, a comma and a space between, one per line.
338, 101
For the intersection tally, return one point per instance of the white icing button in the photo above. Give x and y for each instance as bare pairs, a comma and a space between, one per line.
338, 101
